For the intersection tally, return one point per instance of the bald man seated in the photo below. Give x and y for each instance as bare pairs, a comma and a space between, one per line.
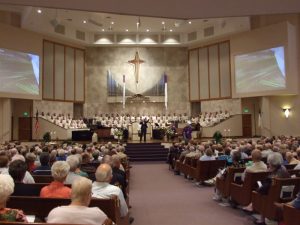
103, 189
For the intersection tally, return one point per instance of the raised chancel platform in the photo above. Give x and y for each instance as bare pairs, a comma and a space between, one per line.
146, 152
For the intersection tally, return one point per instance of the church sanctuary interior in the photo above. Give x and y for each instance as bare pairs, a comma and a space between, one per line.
150, 113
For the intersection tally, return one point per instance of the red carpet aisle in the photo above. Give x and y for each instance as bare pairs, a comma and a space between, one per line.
160, 198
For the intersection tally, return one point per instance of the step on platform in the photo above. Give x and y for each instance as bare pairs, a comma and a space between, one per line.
139, 152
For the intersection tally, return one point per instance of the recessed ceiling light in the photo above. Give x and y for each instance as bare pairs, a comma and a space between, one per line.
103, 30
112, 22
171, 30
84, 21
190, 22
39, 11
163, 22
147, 30
126, 30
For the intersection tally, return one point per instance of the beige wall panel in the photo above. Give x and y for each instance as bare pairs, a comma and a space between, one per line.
214, 72
225, 70
203, 70
59, 74
48, 71
69, 74
79, 84
194, 79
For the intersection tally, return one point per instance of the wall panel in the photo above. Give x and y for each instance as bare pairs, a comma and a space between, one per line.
70, 74
59, 74
203, 74
48, 78
79, 76
194, 76
63, 72
225, 79
214, 72
213, 61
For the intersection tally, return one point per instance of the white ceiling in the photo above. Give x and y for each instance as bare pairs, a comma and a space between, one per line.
110, 27
179, 9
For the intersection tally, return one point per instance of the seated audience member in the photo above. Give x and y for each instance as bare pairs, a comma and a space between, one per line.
257, 166
73, 161
61, 155
56, 188
17, 170
3, 164
96, 155
102, 189
44, 168
78, 211
6, 189
119, 176
296, 202
226, 156
28, 179
208, 155
30, 160
291, 159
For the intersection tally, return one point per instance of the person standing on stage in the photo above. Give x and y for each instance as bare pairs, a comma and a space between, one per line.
187, 132
144, 127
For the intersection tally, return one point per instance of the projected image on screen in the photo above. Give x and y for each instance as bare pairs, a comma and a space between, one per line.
19, 72
260, 71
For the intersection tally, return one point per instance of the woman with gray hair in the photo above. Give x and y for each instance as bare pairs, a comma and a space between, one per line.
6, 189
78, 211
75, 172
56, 188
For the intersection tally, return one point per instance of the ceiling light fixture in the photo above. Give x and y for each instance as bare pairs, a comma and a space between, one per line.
39, 11
171, 30
126, 30
103, 30
163, 22
190, 22
84, 21
112, 22
147, 30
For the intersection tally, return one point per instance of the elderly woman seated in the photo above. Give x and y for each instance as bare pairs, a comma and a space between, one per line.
78, 211
6, 189
75, 172
56, 188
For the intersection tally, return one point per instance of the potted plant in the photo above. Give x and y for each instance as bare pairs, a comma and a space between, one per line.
218, 137
47, 137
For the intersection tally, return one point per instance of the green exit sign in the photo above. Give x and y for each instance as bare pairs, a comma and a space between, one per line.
25, 114
246, 110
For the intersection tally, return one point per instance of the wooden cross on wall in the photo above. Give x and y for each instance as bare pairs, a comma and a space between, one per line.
136, 61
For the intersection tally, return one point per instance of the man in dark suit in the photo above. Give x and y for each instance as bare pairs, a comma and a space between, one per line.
143, 129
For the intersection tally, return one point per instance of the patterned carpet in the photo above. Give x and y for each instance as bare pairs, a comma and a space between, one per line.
158, 197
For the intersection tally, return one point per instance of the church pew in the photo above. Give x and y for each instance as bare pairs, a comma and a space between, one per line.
184, 166
36, 188
206, 170
21, 223
291, 215
264, 204
290, 166
241, 193
40, 207
46, 179
223, 185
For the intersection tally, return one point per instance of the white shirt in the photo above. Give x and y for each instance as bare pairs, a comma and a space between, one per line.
28, 179
71, 177
105, 190
76, 215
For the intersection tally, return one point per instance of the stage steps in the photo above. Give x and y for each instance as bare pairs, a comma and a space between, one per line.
139, 152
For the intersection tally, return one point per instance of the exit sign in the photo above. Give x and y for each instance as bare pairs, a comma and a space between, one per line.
246, 110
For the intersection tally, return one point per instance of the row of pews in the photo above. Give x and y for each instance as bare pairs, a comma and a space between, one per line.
243, 193
41, 207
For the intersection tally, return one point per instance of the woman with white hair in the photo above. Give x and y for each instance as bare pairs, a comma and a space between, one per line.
78, 211
56, 188
6, 189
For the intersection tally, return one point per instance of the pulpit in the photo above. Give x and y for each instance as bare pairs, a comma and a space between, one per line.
134, 134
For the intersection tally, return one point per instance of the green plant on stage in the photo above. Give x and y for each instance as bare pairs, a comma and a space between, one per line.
218, 137
47, 137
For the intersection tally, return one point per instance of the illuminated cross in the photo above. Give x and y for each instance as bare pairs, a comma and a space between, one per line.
136, 61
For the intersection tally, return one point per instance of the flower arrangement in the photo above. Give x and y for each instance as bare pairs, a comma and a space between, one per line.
170, 132
118, 133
